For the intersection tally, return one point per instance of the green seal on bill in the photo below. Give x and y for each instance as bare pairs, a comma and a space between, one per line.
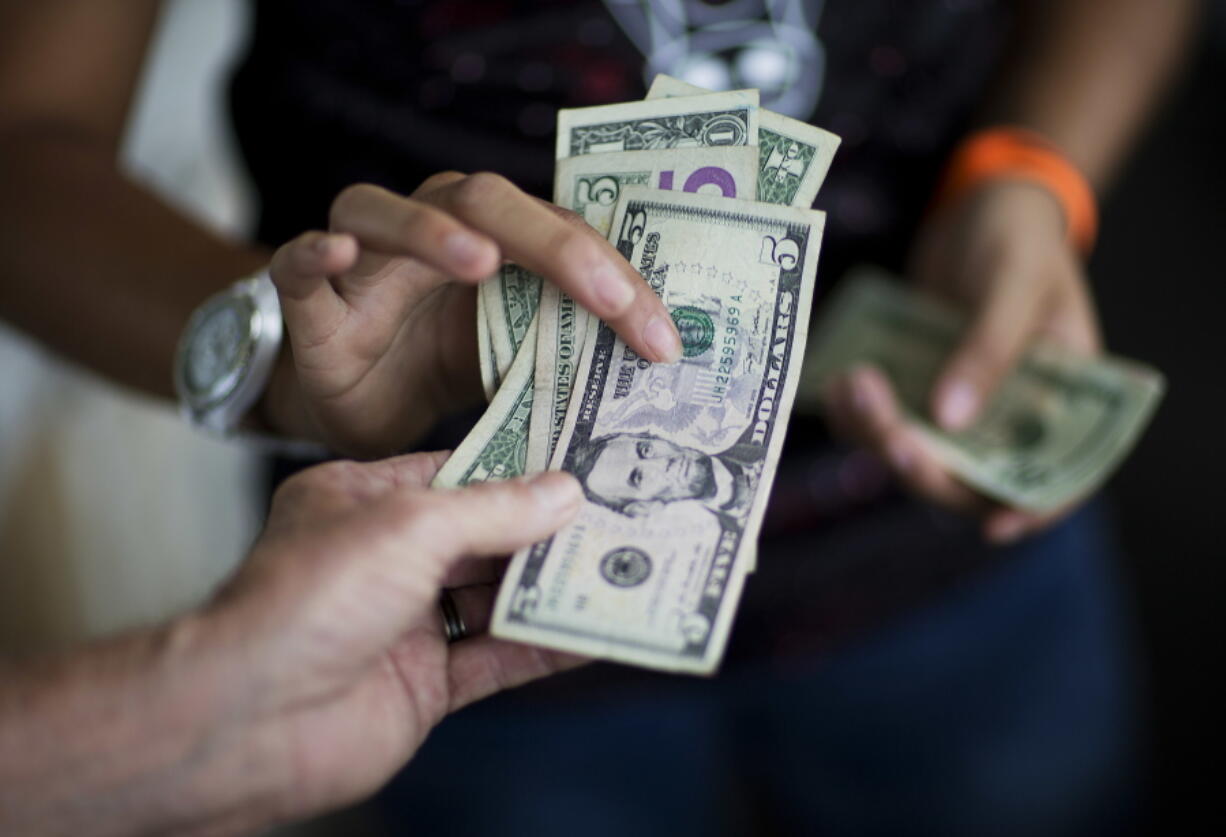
696, 329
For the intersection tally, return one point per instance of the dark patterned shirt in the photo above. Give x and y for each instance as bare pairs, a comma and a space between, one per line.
390, 91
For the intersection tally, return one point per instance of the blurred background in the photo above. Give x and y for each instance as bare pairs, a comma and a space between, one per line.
114, 513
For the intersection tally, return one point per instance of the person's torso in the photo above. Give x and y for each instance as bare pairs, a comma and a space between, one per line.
334, 92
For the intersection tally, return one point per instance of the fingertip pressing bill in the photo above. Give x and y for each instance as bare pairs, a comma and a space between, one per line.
662, 338
555, 490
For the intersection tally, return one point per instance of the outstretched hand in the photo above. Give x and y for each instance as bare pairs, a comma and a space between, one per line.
1002, 255
343, 667
380, 310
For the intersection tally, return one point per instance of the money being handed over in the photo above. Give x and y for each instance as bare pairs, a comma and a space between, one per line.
1054, 430
676, 460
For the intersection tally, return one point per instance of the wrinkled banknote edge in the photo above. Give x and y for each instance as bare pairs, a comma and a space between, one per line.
570, 119
509, 394
505, 339
485, 352
501, 346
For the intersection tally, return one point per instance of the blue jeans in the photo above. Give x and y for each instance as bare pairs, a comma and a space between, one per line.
1002, 707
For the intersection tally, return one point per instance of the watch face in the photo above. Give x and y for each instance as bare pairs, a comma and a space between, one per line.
219, 349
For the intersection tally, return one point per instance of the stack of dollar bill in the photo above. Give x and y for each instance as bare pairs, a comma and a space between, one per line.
708, 196
1054, 430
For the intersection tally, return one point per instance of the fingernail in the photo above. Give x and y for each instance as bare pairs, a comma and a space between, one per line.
555, 490
959, 405
463, 248
612, 288
661, 337
322, 244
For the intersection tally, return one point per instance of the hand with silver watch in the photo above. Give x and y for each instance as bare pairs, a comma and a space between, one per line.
379, 314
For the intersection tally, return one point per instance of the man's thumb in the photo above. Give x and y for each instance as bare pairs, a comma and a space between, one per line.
495, 518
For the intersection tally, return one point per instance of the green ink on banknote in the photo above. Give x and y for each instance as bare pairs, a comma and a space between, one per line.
696, 329
782, 163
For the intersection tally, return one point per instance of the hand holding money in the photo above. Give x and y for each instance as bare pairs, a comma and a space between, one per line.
1002, 257
1056, 426
379, 310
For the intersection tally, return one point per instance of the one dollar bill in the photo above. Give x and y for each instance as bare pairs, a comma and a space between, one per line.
716, 119
510, 299
793, 156
497, 446
676, 460
1055, 429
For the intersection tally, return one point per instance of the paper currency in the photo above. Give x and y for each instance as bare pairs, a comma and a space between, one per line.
485, 353
497, 447
676, 460
680, 130
510, 299
793, 156
1057, 427
559, 341
716, 119
591, 185
713, 120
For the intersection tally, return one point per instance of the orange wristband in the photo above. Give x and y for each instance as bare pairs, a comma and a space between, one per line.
1016, 153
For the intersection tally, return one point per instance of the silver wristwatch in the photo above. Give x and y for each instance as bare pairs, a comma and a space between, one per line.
227, 352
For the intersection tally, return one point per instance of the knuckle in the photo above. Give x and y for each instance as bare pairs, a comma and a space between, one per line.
576, 253
282, 259
423, 222
348, 199
292, 253
435, 526
439, 180
301, 255
571, 218
480, 189
339, 472
504, 500
486, 505
313, 481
